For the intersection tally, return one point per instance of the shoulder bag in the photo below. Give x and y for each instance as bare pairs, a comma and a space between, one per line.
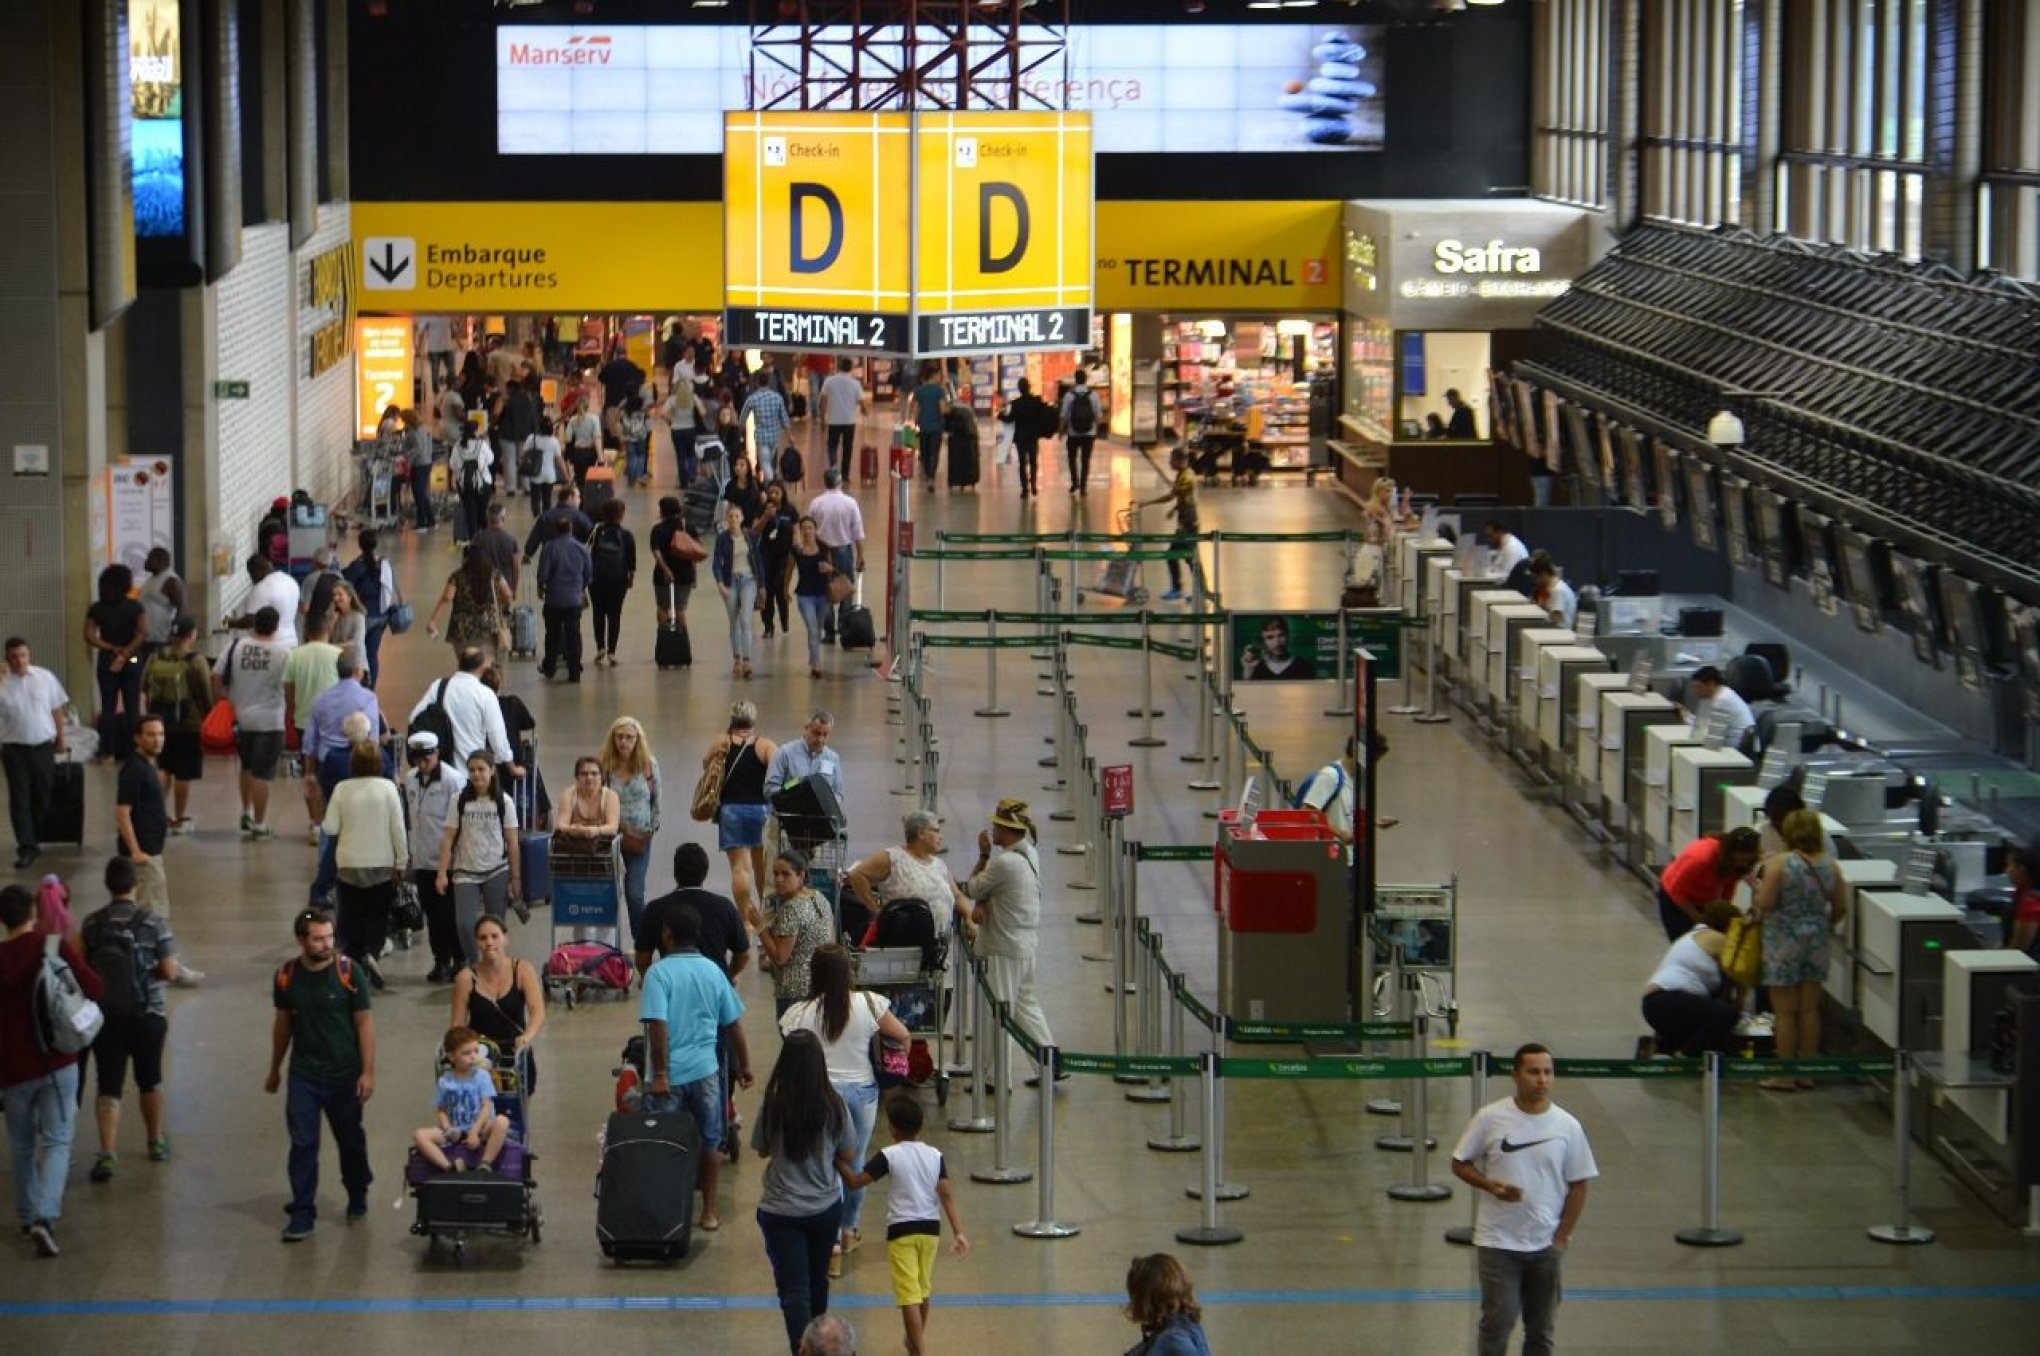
1742, 956
888, 1060
708, 790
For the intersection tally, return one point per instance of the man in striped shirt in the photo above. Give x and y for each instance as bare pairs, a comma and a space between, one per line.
765, 411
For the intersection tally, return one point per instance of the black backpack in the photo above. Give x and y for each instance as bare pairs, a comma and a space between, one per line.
114, 951
1083, 411
365, 577
605, 545
909, 922
433, 720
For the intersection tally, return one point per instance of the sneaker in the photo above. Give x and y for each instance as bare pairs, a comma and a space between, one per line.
297, 1231
44, 1238
159, 1150
102, 1168
188, 978
375, 974
183, 828
247, 822
312, 837
261, 831
852, 1241
357, 1210
835, 1264
1173, 596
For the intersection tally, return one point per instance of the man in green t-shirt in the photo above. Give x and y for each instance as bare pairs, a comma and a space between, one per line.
323, 1023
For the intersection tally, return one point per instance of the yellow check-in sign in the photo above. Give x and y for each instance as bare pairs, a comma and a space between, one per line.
1004, 255
817, 230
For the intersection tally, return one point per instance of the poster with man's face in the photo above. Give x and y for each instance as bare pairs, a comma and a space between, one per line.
1301, 646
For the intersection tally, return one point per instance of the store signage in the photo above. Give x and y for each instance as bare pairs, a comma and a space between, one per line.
1451, 257
1004, 254
384, 371
816, 230
1115, 790
156, 116
526, 257
329, 287
1363, 261
1421, 264
1193, 89
1277, 259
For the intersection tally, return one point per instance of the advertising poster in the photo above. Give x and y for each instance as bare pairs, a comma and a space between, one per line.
384, 368
1304, 646
156, 85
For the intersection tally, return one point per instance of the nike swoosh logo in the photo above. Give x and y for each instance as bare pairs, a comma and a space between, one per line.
1509, 1148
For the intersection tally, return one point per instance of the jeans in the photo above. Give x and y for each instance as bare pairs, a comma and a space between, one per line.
421, 495
818, 617
473, 898
1540, 490
42, 1114
562, 641
506, 463
541, 492
1513, 1283
861, 1101
608, 609
31, 773
371, 642
683, 453
441, 931
845, 437
636, 867
634, 463
931, 451
844, 558
742, 600
798, 1248
124, 686
474, 512
1184, 549
1029, 451
327, 875
305, 1101
1077, 449
365, 918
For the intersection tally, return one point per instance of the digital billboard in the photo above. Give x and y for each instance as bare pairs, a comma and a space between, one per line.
156, 85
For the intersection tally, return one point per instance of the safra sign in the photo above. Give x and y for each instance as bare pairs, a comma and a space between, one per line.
825, 250
1495, 269
1450, 256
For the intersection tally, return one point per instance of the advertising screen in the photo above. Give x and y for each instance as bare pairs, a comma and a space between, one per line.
156, 84
599, 89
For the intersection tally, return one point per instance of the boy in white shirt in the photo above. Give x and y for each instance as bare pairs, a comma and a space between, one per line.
913, 1226
1530, 1160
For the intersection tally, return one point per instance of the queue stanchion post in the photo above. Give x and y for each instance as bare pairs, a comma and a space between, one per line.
1209, 1232
941, 559
1148, 987
1207, 717
1462, 1235
1073, 591
960, 1010
1214, 1125
1148, 738
1108, 914
1420, 1187
1342, 704
1432, 715
991, 708
1003, 1172
1059, 740
1044, 639
982, 1032
1045, 1224
1399, 1011
1408, 705
1223, 782
1179, 1140
1710, 1234
931, 780
1072, 763
1904, 1232
1217, 591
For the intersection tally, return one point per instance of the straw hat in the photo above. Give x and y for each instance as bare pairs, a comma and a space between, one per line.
1012, 814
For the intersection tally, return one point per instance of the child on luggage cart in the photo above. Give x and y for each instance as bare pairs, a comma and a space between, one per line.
466, 1106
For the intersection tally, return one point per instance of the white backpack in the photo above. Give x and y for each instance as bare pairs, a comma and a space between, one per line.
67, 1021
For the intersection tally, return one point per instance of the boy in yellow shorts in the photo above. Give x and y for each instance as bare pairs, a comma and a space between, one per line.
915, 1203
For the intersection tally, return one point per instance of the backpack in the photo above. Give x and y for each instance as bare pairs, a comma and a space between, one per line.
66, 1021
607, 550
636, 427
907, 922
365, 576
343, 966
1300, 801
791, 464
434, 720
113, 951
1083, 412
166, 682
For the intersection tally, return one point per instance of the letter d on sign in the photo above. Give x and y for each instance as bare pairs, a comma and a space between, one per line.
799, 260
989, 192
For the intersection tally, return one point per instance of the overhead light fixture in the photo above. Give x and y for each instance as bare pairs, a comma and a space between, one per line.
1264, 4
1725, 430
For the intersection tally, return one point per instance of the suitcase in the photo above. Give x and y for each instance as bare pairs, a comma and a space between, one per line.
698, 508
597, 490
534, 845
63, 819
858, 631
644, 1190
867, 464
524, 631
673, 649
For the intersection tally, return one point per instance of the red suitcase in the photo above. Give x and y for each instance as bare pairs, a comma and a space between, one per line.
867, 464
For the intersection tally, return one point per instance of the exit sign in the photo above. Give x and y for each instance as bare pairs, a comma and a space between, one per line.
230, 390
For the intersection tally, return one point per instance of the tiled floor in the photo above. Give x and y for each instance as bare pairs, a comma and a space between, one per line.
1556, 946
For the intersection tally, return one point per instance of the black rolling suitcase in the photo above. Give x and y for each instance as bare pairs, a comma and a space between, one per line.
698, 508
644, 1191
673, 649
63, 819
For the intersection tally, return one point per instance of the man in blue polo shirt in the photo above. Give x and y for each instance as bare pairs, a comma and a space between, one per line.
687, 1004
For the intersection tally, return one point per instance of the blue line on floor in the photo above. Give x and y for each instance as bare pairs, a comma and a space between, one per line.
746, 1303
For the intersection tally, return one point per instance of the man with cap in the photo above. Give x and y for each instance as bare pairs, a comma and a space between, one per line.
430, 787
1005, 890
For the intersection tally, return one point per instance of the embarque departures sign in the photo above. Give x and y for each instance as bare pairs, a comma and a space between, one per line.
823, 249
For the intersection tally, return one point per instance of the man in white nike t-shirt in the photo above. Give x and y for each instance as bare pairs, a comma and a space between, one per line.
1530, 1160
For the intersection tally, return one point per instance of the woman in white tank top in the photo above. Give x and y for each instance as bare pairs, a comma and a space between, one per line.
1686, 1001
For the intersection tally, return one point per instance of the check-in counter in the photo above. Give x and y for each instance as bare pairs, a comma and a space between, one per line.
1588, 689
1868, 873
1414, 554
1900, 942
1625, 716
1460, 606
1974, 986
1507, 621
1655, 779
1700, 778
1522, 694
1474, 649
1743, 807
1558, 669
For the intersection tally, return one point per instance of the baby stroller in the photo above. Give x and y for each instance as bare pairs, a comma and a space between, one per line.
453, 1205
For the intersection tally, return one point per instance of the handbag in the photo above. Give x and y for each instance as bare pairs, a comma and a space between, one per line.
1742, 957
888, 1061
708, 790
635, 841
407, 914
399, 618
216, 731
841, 586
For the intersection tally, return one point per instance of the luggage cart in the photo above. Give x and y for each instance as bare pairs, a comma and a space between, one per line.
585, 897
1122, 578
453, 1205
912, 979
